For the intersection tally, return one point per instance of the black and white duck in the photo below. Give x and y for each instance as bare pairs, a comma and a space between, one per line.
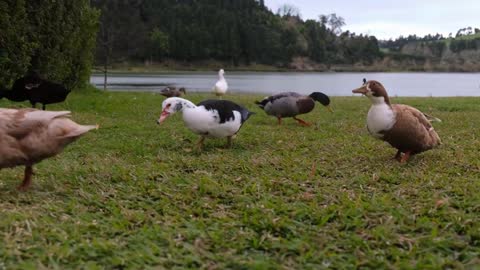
209, 118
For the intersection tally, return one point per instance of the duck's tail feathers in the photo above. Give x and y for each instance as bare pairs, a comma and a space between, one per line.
79, 130
431, 118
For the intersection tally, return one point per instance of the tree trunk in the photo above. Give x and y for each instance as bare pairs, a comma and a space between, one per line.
105, 72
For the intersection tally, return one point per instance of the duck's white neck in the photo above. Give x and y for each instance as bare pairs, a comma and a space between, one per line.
377, 100
380, 117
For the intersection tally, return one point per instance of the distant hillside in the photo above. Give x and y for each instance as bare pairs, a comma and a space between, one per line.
434, 53
234, 33
245, 34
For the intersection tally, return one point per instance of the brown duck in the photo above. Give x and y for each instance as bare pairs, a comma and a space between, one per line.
27, 136
402, 126
172, 91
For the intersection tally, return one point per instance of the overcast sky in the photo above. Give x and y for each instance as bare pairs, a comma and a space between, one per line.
390, 19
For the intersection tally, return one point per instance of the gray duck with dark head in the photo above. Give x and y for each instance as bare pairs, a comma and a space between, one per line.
291, 104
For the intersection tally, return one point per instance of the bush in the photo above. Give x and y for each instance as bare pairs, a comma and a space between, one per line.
54, 38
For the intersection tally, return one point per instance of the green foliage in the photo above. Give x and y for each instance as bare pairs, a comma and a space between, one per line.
54, 38
236, 32
134, 195
16, 47
159, 45
458, 45
437, 43
357, 48
436, 48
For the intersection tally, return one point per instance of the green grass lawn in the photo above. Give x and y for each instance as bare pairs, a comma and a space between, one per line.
136, 195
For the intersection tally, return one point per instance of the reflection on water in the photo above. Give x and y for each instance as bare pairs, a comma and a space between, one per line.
335, 84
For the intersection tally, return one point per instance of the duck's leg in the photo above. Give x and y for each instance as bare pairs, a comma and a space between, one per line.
405, 157
279, 120
229, 142
27, 179
200, 143
301, 122
398, 156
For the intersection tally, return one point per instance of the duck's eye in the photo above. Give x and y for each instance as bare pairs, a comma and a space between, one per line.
168, 106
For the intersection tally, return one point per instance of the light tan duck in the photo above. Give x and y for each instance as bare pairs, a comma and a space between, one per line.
402, 126
27, 136
172, 91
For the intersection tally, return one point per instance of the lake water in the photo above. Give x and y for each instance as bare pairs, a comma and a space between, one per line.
335, 84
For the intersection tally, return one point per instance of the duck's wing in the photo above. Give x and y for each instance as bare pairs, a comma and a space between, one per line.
20, 123
273, 98
416, 126
283, 95
225, 109
413, 113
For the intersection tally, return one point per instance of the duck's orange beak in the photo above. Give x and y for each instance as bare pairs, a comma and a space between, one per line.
361, 90
163, 116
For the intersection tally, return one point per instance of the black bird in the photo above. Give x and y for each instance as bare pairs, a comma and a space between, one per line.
35, 90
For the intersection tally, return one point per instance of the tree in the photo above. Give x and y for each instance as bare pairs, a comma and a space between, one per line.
64, 33
334, 22
288, 10
158, 44
15, 47
52, 38
234, 32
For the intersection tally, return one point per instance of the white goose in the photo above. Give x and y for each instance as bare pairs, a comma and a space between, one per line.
27, 136
210, 118
221, 86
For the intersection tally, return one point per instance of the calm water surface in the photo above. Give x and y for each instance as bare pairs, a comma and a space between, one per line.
335, 84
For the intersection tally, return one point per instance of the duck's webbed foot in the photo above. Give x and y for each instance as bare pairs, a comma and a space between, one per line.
405, 157
301, 122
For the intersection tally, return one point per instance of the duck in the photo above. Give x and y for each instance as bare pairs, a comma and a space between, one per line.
209, 118
291, 104
35, 90
28, 136
172, 91
221, 86
404, 127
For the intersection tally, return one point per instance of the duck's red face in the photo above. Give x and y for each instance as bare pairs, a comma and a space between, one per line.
165, 113
169, 107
